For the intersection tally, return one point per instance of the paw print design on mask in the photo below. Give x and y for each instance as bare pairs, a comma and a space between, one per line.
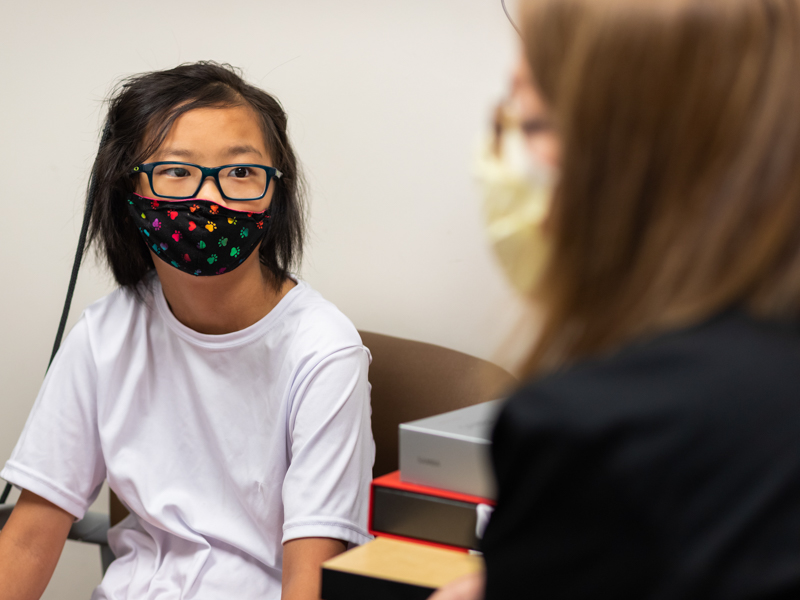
200, 238
154, 204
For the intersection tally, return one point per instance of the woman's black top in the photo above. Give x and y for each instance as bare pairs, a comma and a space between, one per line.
668, 470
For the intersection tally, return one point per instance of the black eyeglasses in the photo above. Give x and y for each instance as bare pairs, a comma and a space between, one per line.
181, 181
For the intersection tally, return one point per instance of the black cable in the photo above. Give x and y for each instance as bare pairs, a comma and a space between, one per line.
76, 265
510, 20
73, 279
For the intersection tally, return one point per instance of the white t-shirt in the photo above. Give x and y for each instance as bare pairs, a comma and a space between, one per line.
222, 446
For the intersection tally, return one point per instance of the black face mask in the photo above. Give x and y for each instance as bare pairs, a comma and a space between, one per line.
198, 237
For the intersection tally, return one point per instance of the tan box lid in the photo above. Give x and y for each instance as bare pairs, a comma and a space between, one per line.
406, 562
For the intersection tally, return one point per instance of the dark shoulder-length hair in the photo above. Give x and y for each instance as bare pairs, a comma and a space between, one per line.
141, 111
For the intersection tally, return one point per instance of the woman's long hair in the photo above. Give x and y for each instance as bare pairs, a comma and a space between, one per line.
679, 194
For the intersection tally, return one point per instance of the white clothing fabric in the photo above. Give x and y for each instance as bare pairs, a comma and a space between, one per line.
222, 446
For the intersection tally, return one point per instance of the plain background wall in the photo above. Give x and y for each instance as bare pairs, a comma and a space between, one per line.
385, 99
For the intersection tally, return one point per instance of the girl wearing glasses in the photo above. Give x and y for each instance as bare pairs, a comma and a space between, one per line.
224, 400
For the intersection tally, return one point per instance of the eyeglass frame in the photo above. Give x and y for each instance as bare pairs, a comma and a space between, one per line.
147, 168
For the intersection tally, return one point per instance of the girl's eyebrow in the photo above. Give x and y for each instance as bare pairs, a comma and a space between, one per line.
230, 151
175, 152
242, 149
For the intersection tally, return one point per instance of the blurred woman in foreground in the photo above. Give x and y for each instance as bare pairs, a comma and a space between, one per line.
655, 453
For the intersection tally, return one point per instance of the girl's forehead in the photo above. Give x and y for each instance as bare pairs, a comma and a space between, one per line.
215, 132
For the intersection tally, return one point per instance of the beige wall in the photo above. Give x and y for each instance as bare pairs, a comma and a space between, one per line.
385, 99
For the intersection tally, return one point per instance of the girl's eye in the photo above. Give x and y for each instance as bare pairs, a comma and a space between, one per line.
174, 172
239, 172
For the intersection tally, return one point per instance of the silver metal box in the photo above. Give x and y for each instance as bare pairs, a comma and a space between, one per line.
451, 451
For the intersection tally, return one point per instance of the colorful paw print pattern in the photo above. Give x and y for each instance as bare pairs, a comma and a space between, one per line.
197, 236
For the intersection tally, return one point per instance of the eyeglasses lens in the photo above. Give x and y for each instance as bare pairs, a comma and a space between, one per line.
243, 182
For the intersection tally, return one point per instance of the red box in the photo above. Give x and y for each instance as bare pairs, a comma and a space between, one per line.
423, 514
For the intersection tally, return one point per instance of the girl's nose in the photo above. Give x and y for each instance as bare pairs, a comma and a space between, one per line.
210, 191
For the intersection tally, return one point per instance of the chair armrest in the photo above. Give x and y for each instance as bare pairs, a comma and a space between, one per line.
92, 529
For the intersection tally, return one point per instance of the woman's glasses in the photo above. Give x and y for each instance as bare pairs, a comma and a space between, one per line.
181, 181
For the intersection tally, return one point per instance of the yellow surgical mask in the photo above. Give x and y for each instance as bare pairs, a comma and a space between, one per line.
517, 191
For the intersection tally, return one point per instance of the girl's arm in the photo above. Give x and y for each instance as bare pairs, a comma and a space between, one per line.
30, 545
302, 566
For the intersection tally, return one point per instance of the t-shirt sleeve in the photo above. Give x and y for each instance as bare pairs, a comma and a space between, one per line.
326, 489
58, 455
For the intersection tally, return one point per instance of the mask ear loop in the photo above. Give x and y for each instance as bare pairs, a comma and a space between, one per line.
76, 265
510, 20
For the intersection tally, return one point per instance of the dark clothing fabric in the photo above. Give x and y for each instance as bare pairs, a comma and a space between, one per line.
668, 470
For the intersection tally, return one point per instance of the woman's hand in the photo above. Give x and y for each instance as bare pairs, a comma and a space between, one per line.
302, 566
469, 587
